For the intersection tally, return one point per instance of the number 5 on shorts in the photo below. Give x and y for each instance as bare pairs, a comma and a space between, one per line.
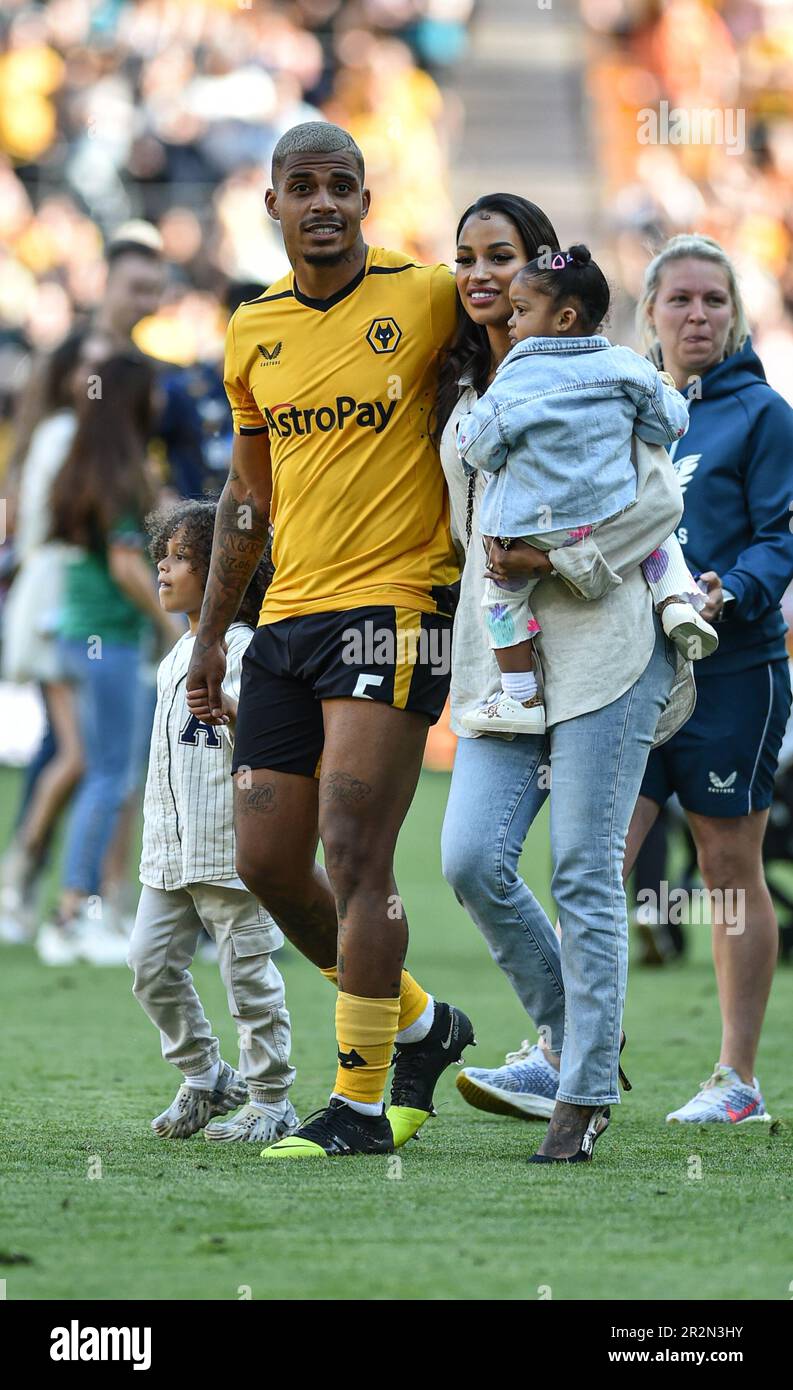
360, 685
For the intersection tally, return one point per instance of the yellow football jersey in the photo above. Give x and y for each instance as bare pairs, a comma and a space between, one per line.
344, 387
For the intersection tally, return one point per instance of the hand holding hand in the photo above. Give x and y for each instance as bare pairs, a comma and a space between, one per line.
229, 707
204, 678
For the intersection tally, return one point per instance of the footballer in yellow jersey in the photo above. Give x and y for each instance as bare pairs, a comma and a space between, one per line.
344, 388
331, 375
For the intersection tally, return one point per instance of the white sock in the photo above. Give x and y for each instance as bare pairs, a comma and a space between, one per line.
420, 1026
205, 1080
361, 1106
668, 575
519, 685
270, 1107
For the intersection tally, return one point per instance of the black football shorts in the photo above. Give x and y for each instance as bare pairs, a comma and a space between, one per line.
397, 656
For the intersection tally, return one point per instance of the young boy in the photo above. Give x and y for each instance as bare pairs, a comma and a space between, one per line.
189, 880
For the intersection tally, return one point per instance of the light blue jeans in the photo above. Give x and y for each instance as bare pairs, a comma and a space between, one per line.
108, 701
574, 993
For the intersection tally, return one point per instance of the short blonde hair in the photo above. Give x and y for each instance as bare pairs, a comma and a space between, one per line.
700, 248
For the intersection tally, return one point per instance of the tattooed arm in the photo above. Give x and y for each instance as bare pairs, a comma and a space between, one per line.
240, 538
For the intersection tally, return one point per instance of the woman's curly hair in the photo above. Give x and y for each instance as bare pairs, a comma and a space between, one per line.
196, 521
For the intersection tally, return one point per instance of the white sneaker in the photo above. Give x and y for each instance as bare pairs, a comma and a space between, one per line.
191, 1109
500, 714
253, 1125
57, 944
102, 944
17, 927
103, 941
688, 630
723, 1099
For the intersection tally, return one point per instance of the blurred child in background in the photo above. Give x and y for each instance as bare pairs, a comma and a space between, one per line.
99, 500
30, 648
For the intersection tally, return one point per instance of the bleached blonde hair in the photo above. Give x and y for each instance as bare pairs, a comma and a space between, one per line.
700, 248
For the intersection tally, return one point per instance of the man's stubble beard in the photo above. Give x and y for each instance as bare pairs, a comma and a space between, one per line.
329, 258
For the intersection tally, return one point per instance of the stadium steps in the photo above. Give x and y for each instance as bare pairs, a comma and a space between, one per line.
522, 86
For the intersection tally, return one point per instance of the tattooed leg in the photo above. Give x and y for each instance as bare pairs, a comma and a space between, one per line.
370, 766
275, 820
566, 1129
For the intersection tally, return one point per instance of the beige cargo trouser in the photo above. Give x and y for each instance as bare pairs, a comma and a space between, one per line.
162, 946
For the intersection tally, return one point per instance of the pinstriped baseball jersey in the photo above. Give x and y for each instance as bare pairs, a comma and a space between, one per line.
188, 831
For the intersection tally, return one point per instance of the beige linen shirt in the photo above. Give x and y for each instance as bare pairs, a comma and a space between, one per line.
590, 652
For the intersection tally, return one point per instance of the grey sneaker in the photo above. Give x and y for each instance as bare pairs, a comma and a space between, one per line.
191, 1109
252, 1125
525, 1088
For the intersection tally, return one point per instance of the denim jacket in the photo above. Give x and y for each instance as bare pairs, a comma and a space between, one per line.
554, 429
605, 566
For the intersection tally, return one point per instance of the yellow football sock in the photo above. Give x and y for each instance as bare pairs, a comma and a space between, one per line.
412, 1001
365, 1032
412, 998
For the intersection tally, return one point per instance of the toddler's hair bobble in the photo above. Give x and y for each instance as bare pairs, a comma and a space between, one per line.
572, 276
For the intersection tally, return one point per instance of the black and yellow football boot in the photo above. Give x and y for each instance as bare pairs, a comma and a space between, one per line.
335, 1132
419, 1066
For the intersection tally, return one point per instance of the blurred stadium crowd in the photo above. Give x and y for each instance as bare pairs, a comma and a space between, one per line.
728, 56
168, 110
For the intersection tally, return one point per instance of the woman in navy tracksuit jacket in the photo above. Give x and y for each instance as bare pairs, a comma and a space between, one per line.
735, 465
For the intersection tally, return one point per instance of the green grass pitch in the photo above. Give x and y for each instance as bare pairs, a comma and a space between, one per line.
662, 1212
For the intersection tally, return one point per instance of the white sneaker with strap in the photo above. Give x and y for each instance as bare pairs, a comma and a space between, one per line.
691, 634
191, 1109
255, 1124
500, 714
